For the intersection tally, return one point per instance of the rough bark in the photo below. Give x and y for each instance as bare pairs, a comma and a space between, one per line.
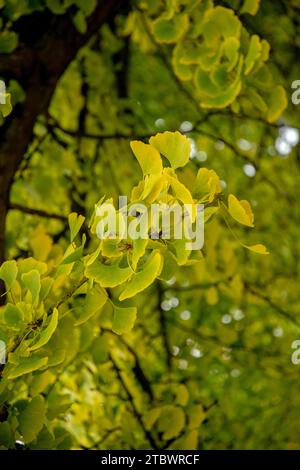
47, 45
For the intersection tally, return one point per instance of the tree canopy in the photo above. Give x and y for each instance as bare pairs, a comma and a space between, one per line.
123, 343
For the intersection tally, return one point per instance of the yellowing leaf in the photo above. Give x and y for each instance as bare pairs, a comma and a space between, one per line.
41, 245
253, 54
207, 185
28, 364
260, 249
240, 211
171, 421
6, 108
107, 275
13, 316
138, 250
277, 102
212, 296
33, 418
250, 6
174, 146
182, 395
123, 319
148, 157
47, 333
170, 30
196, 416
143, 278
94, 301
32, 281
8, 273
75, 223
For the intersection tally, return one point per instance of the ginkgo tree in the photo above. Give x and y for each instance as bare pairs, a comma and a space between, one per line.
115, 341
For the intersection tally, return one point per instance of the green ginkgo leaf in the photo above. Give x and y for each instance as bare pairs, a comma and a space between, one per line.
13, 316
33, 418
75, 222
144, 278
27, 365
47, 333
123, 319
107, 275
250, 6
8, 273
32, 281
94, 301
170, 30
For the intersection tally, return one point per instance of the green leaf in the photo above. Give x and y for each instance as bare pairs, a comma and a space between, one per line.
32, 281
253, 54
174, 146
47, 333
107, 275
80, 22
144, 278
6, 108
138, 250
28, 364
8, 273
123, 319
33, 418
13, 316
75, 223
170, 31
94, 301
8, 42
250, 6
171, 421
100, 349
6, 437
74, 256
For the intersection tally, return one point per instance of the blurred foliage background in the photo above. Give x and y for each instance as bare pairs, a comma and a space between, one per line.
208, 362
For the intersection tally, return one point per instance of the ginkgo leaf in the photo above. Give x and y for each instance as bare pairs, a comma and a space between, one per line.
142, 279
27, 365
75, 222
253, 54
240, 211
138, 250
32, 281
75, 255
8, 273
259, 248
169, 31
123, 319
47, 333
250, 6
148, 157
171, 421
6, 108
33, 418
13, 315
207, 184
181, 192
174, 146
94, 301
107, 275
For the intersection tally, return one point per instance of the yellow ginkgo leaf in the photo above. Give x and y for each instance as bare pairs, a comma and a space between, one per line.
260, 249
174, 146
240, 211
148, 157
